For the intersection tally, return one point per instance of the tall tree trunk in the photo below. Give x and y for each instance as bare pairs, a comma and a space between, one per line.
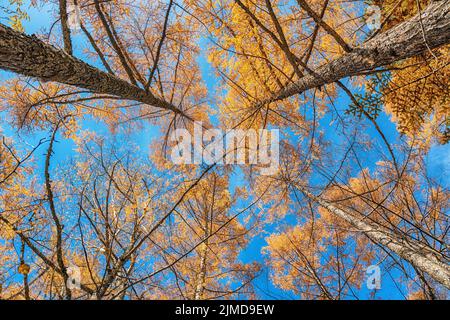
418, 257
29, 56
201, 276
65, 26
425, 31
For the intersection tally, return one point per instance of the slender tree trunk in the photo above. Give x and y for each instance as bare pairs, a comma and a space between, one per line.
29, 56
200, 281
201, 276
418, 257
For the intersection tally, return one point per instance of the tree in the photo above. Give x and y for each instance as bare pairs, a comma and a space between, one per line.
349, 192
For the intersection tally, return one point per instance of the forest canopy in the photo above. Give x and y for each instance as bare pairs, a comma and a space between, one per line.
92, 205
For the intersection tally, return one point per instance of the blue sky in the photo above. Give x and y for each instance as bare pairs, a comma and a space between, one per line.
438, 158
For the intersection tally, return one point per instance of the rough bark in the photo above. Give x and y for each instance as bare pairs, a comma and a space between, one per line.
65, 26
29, 56
415, 254
402, 41
120, 53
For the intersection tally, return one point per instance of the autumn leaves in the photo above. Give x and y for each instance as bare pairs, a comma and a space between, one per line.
349, 191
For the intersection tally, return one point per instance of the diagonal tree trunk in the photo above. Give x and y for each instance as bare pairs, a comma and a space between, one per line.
319, 20
29, 56
411, 252
425, 31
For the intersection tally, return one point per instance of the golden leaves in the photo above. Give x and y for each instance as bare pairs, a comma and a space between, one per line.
303, 258
24, 269
395, 12
418, 98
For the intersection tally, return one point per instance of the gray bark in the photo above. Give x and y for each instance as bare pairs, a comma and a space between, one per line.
418, 255
29, 56
65, 26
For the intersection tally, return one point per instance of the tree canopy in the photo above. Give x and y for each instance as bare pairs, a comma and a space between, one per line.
90, 99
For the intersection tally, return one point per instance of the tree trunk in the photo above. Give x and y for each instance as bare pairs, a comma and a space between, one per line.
200, 281
402, 41
65, 26
29, 56
418, 257
201, 276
